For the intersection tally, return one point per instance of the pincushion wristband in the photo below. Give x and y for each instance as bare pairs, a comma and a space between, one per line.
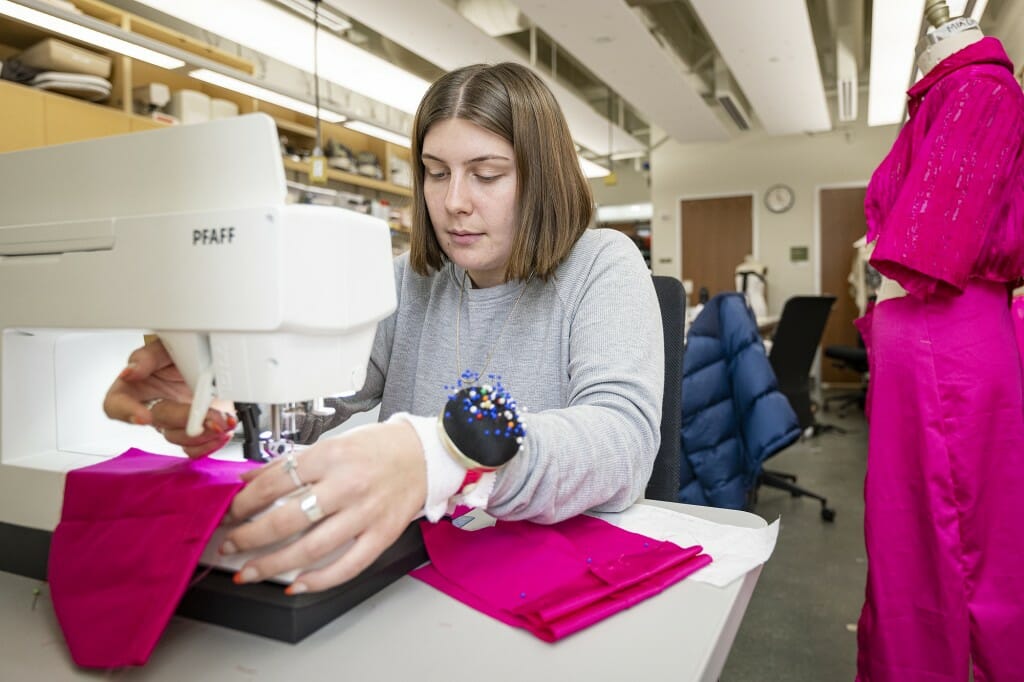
480, 425
477, 432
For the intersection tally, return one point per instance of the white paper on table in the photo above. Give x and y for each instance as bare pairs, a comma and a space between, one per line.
734, 550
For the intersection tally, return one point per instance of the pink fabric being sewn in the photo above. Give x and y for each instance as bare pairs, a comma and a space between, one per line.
552, 580
130, 535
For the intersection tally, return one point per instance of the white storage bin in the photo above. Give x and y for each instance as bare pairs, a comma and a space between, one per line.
222, 108
189, 106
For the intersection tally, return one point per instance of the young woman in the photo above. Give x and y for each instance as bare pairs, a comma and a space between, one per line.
503, 278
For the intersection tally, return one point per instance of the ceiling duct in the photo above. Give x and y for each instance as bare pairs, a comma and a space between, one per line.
846, 75
493, 17
727, 94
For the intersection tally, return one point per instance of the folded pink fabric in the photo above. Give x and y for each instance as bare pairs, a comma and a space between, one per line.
130, 535
552, 580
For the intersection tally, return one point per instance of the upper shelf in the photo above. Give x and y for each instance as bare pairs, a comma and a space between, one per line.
351, 178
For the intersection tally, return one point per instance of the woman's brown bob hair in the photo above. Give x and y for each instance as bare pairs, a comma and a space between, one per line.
554, 200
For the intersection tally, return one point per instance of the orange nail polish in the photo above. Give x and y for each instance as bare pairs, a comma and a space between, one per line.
237, 578
214, 426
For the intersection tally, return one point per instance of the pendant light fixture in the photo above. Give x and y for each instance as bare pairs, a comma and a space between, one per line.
611, 179
317, 161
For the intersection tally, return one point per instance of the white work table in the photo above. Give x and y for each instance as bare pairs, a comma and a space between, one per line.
410, 631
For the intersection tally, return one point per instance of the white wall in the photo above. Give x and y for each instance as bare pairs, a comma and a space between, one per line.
749, 164
632, 186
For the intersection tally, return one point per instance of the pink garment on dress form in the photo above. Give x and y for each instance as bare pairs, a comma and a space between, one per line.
943, 492
946, 442
130, 535
947, 203
552, 580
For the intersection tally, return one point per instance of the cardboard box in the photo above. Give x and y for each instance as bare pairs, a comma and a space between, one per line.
56, 55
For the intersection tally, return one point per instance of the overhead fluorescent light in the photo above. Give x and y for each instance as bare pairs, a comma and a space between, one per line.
375, 131
312, 189
282, 35
622, 156
87, 35
265, 94
593, 170
895, 27
625, 213
769, 50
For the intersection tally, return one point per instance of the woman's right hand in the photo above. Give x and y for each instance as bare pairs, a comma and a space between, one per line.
151, 375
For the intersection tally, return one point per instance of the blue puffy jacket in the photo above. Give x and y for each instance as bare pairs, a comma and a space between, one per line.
734, 416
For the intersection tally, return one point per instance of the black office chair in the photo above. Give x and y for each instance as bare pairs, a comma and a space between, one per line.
664, 481
855, 359
794, 346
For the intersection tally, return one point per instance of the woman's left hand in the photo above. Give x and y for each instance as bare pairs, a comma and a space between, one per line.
369, 483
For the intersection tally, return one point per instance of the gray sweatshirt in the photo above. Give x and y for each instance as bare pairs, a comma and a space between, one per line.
582, 354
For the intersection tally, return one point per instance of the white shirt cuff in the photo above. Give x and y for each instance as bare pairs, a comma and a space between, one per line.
444, 474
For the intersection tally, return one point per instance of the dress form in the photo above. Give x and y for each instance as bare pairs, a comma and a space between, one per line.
948, 37
750, 280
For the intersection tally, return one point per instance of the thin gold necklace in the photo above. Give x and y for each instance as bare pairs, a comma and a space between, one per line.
467, 377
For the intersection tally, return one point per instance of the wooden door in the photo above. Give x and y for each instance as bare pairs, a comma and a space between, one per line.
716, 235
842, 223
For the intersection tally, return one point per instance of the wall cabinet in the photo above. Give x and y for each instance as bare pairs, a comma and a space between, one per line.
22, 118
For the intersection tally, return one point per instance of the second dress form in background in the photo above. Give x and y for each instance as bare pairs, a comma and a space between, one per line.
750, 281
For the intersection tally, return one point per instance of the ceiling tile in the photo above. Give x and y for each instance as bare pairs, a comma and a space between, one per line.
611, 40
438, 33
769, 48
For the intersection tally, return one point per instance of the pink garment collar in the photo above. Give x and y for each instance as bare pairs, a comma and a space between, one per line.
985, 51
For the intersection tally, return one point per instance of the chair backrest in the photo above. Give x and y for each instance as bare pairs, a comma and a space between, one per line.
794, 346
664, 482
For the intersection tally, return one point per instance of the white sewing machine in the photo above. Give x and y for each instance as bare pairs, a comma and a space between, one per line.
183, 232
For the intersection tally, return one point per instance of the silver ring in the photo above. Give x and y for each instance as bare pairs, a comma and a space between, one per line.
292, 468
310, 508
150, 404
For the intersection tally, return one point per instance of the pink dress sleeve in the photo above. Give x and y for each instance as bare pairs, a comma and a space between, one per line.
955, 188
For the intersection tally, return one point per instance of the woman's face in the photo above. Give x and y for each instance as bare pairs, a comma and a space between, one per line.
470, 187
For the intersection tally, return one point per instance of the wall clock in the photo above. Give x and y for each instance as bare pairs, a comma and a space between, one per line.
779, 198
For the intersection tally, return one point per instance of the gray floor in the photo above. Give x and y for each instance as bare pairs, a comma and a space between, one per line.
800, 622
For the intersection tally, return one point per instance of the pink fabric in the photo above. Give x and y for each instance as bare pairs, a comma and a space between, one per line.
130, 535
947, 203
943, 492
863, 325
552, 580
